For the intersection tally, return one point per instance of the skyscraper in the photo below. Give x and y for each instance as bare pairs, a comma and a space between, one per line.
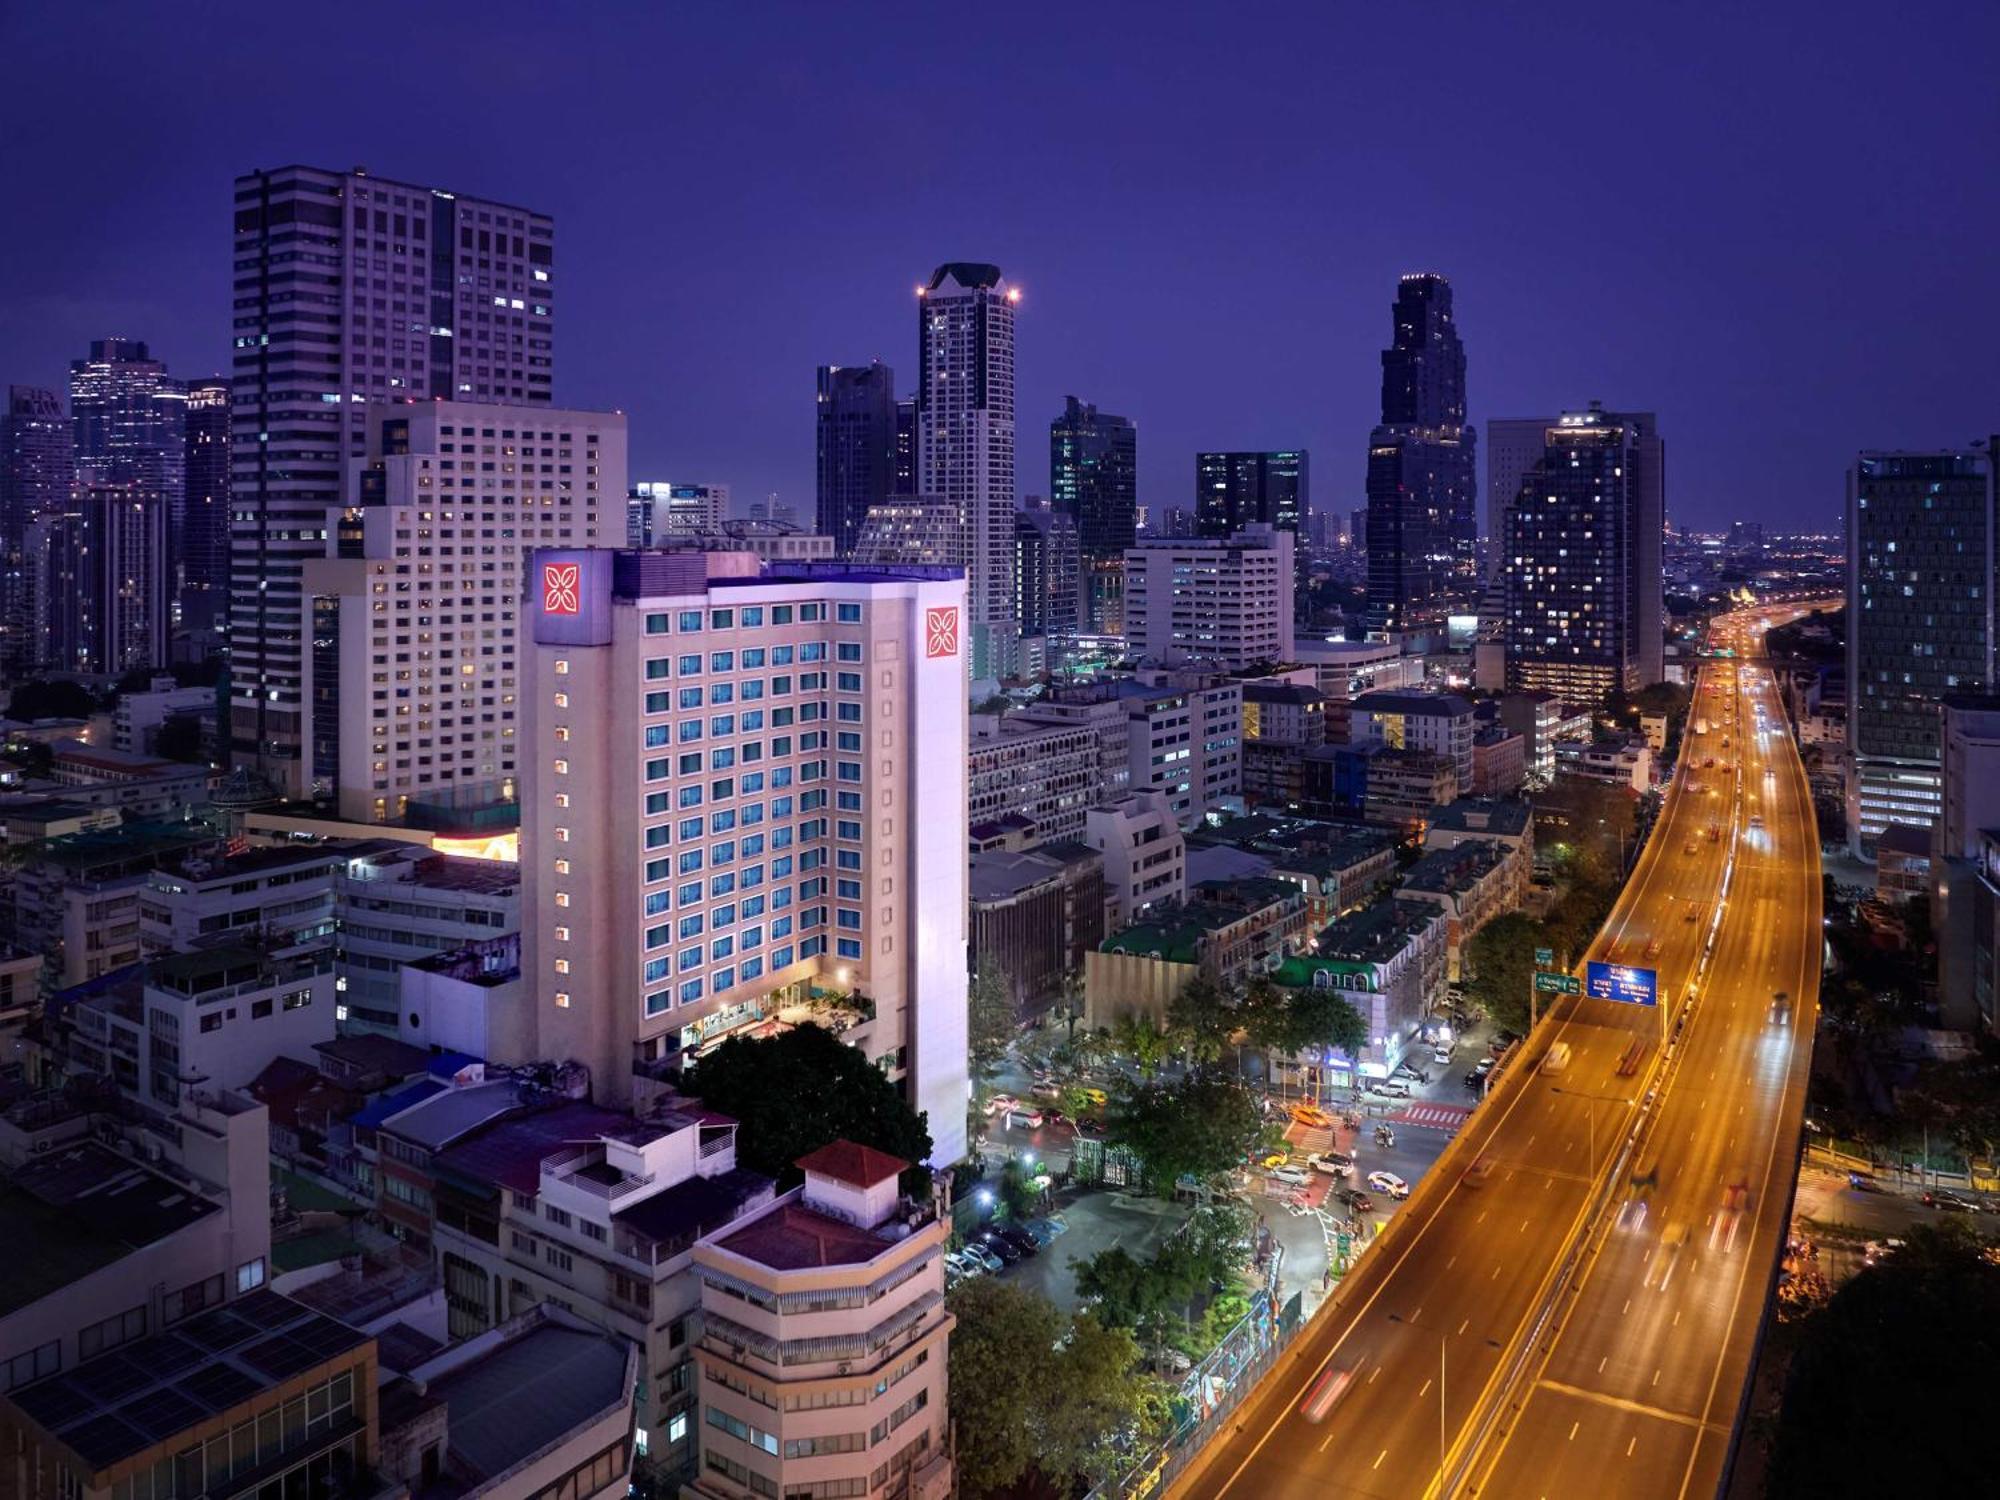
1094, 478
1223, 602
1920, 624
1234, 490
686, 874
905, 482
1046, 575
1582, 559
1423, 525
37, 470
1513, 447
204, 533
129, 420
856, 447
965, 436
349, 289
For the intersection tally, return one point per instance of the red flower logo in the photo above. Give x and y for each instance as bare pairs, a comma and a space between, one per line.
941, 632
560, 589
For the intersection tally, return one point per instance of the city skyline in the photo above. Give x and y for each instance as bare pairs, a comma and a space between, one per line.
1533, 298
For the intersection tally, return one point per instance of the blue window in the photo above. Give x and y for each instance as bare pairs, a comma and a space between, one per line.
811, 682
659, 935
810, 800
848, 713
753, 906
690, 763
753, 815
690, 730
656, 770
781, 776
812, 859
657, 624
656, 903
659, 869
847, 682
691, 925
658, 1000
781, 614
781, 957
781, 866
722, 821
657, 969
690, 861
657, 837
722, 853
847, 859
753, 875
690, 829
750, 615
848, 801
754, 751
847, 829
690, 991
752, 968
812, 916
690, 958
810, 612
722, 947
850, 770
848, 651
658, 703
812, 947
690, 796
813, 651
722, 916
690, 666
750, 937
752, 782
688, 894
656, 668
690, 622
690, 697
722, 724
781, 898
809, 712
722, 661
656, 736
847, 614
721, 885
851, 920
781, 685
752, 689
811, 888
781, 656
722, 692
722, 619
780, 927
847, 948
847, 890
752, 658
781, 838
656, 803
751, 720
723, 979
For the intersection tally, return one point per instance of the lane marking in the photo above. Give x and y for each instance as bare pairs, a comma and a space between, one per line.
1573, 1428
1635, 1408
1425, 1388
1378, 1459
1462, 1327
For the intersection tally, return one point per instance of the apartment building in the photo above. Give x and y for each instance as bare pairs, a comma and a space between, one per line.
1186, 743
402, 904
1440, 724
744, 781
1474, 881
1145, 856
1223, 603
1389, 961
1042, 775
825, 1341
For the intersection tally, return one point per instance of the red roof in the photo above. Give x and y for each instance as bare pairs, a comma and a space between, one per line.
857, 1166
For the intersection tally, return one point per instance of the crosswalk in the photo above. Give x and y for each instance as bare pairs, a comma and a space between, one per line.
1434, 1116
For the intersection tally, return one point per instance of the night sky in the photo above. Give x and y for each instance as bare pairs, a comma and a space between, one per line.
1778, 226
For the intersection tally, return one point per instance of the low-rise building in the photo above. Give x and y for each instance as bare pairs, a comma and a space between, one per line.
1535, 715
1903, 863
1347, 669
1440, 724
401, 904
1404, 786
1228, 931
1281, 722
1034, 916
136, 722
1187, 744
1509, 821
1389, 961
1499, 762
76, 900
825, 1341
1047, 774
1474, 881
1623, 761
1144, 853
140, 786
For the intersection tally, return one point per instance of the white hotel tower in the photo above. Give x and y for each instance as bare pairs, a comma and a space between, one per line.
739, 781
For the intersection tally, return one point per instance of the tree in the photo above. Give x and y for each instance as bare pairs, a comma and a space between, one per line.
1200, 1022
1911, 1345
1033, 1391
991, 1020
1138, 1038
800, 1090
51, 700
1294, 1020
1501, 958
179, 739
1198, 1127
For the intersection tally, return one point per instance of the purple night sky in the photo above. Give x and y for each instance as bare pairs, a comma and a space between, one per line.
1777, 225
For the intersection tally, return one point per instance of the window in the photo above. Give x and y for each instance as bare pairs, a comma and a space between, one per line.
557, 1216
847, 614
121, 1328
33, 1365
250, 1275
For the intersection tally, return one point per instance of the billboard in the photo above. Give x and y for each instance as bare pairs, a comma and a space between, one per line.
1622, 983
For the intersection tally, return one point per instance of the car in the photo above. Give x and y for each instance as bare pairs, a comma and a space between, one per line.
1486, 1065
999, 1102
1088, 1126
1691, 914
1097, 1097
959, 1263
1390, 1183
1477, 1174
1332, 1162
1039, 1231
1781, 1008
980, 1256
1025, 1117
1324, 1393
994, 1243
1414, 1073
1357, 1202
1653, 948
1688, 847
1020, 1239
1441, 1055
1058, 1223
1295, 1176
1634, 1054
1312, 1115
1474, 1079
1276, 1159
1048, 1091
1556, 1058
1390, 1087
1949, 1201
1876, 1251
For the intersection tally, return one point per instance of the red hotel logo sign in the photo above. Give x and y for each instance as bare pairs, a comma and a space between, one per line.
940, 632
560, 589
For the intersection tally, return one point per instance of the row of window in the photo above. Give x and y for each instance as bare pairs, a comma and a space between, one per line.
747, 617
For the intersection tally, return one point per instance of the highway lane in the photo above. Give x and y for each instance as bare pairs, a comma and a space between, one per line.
1640, 1391
1430, 1315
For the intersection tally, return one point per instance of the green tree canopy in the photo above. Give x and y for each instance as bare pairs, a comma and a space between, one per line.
797, 1091
1502, 965
991, 1020
179, 739
1033, 1391
51, 700
1200, 1021
1890, 1383
1197, 1127
1296, 1019
1136, 1037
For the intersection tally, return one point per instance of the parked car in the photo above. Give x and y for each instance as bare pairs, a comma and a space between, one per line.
1058, 1223
995, 1243
1296, 1176
1390, 1183
1441, 1055
958, 1263
1020, 1239
1044, 1236
1025, 1118
980, 1256
1358, 1202
1000, 1102
1332, 1162
1391, 1087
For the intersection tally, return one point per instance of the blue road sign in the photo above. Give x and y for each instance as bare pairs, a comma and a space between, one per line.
1620, 982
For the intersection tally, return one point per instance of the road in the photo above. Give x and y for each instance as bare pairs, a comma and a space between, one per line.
1455, 1307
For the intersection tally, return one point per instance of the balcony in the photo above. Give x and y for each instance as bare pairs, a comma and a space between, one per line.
585, 1169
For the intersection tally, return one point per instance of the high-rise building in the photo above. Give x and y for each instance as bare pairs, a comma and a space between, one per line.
117, 535
742, 781
1582, 559
36, 471
1094, 477
1219, 602
129, 418
906, 446
204, 532
1513, 447
856, 447
965, 436
1423, 525
1920, 576
432, 734
915, 530
1046, 574
658, 513
1236, 490
351, 289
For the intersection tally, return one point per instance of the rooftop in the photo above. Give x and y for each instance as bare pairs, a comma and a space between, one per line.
203, 866
120, 1404
856, 1165
1399, 701
1484, 815
999, 873
1377, 933
509, 1152
697, 1206
525, 1393
1456, 866
793, 1237
79, 1208
1176, 934
1904, 838
447, 1117
371, 1052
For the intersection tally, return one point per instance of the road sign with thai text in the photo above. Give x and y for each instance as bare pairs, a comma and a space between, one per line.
1623, 983
1558, 984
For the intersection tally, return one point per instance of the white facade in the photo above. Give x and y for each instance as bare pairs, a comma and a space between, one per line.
414, 620
137, 720
1145, 857
741, 783
1224, 603
1188, 746
1438, 723
658, 511
1347, 669
403, 904
965, 436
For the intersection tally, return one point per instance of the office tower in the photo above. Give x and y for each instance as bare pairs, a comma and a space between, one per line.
1046, 574
204, 532
1920, 573
856, 447
129, 418
108, 591
906, 447
1221, 602
1235, 490
658, 513
917, 530
742, 781
1094, 477
1513, 448
36, 472
1422, 480
1582, 559
350, 289
775, 512
414, 677
965, 437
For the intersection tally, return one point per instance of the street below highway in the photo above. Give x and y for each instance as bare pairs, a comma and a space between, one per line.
1449, 1354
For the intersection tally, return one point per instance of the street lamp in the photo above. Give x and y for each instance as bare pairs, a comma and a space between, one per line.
1590, 1116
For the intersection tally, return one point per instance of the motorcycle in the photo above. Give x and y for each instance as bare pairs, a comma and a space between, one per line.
1385, 1137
